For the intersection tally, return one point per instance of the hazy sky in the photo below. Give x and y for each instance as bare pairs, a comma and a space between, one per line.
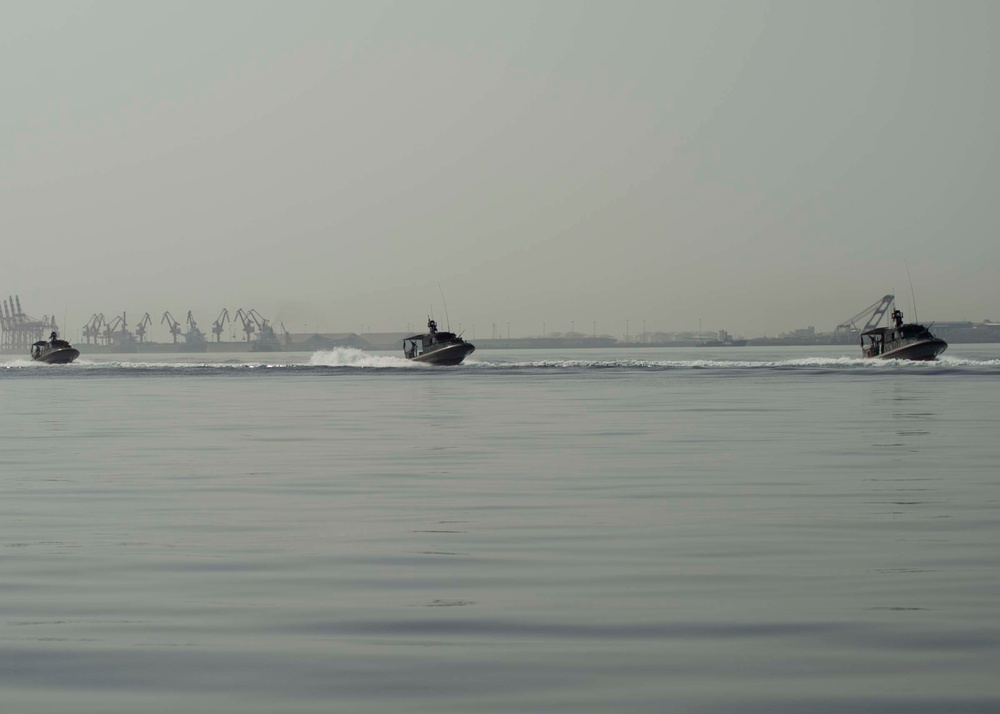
760, 166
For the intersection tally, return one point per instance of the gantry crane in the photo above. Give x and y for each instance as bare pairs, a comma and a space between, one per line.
19, 331
140, 329
218, 324
175, 327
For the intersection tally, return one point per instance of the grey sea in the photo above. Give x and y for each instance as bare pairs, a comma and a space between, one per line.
707, 530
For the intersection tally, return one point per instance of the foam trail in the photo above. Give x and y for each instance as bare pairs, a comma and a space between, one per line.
834, 363
17, 363
139, 366
353, 357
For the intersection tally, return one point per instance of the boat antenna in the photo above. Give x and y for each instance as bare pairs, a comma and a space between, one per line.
446, 318
913, 300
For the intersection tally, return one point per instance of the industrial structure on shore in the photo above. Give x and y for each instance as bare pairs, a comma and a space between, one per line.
112, 335
19, 331
103, 334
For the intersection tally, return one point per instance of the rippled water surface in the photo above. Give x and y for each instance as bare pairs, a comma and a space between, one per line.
712, 530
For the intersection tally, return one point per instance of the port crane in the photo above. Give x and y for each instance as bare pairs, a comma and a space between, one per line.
267, 337
258, 319
248, 322
218, 324
874, 312
140, 329
19, 331
194, 335
175, 327
110, 328
93, 328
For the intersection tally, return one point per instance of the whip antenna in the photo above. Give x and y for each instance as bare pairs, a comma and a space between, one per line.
446, 318
912, 299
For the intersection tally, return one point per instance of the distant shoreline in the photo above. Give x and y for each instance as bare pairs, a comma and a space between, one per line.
986, 333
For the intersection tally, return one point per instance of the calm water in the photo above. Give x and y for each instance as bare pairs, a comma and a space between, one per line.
713, 530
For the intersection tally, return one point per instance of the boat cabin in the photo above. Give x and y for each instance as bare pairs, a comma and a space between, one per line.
53, 343
417, 345
885, 339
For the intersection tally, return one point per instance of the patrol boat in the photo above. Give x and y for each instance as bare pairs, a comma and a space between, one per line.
55, 351
439, 348
908, 341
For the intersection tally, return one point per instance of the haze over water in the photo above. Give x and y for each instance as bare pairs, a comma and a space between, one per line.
711, 530
749, 165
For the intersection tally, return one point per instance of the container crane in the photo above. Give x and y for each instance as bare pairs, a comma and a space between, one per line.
19, 331
140, 329
175, 327
218, 324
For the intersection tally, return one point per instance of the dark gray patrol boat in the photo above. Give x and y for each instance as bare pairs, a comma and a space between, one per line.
439, 348
900, 340
55, 351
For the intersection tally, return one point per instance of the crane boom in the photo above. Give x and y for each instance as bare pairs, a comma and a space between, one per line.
874, 312
219, 323
258, 318
175, 327
248, 323
140, 329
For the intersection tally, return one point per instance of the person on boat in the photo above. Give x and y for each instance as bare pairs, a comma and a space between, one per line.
897, 318
53, 337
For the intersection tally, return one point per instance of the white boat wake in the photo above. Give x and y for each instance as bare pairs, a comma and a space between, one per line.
800, 363
353, 357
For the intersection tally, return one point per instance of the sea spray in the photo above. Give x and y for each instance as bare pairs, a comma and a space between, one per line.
353, 357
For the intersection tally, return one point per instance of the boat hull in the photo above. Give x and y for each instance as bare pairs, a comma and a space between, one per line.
922, 351
63, 355
447, 355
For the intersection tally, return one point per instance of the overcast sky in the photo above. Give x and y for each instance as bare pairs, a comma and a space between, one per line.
759, 166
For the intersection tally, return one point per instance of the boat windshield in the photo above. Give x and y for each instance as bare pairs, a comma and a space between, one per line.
876, 343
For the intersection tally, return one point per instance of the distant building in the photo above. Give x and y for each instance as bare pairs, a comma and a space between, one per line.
800, 333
